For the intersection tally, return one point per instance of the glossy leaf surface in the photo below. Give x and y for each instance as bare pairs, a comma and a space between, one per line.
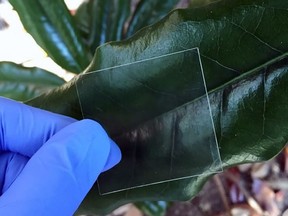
51, 25
246, 69
20, 83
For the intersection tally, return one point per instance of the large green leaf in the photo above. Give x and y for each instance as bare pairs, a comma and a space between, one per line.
51, 25
148, 12
243, 46
20, 83
102, 21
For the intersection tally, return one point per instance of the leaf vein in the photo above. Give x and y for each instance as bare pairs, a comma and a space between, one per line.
256, 37
217, 62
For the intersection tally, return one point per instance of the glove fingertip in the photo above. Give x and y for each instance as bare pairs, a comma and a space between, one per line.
114, 156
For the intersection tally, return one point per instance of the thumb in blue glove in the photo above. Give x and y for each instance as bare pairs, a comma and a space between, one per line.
49, 162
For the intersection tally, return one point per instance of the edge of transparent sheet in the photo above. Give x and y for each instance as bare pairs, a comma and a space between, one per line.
171, 143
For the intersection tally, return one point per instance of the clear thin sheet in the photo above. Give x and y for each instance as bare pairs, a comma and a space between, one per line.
158, 110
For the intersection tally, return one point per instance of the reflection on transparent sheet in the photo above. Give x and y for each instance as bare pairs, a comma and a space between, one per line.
183, 143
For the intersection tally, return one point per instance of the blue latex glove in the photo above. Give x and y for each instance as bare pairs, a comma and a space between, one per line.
48, 162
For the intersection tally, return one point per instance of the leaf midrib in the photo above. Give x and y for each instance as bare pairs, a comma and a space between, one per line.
250, 72
235, 80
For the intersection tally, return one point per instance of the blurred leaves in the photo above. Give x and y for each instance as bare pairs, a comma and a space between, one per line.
148, 12
21, 83
111, 20
71, 41
150, 208
102, 21
51, 25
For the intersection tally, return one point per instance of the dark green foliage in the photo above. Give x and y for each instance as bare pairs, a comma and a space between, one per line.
21, 83
51, 25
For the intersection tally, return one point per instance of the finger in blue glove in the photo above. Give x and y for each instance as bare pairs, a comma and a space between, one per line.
64, 158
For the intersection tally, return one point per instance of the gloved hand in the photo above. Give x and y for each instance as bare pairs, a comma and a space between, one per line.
48, 162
